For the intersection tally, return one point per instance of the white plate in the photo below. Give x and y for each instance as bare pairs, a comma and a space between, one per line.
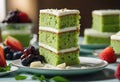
87, 65
90, 46
13, 68
96, 52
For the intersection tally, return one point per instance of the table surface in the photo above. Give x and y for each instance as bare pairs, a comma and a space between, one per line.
105, 75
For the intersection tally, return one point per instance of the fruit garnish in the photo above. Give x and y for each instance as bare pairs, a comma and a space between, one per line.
13, 43
2, 58
117, 72
16, 16
108, 55
31, 54
23, 17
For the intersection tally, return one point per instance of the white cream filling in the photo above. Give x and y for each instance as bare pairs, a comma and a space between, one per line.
60, 12
116, 36
106, 12
56, 51
59, 31
91, 32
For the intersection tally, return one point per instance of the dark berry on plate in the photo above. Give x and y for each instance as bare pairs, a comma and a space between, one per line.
30, 57
9, 56
37, 52
17, 55
6, 49
25, 62
23, 56
39, 58
26, 52
32, 49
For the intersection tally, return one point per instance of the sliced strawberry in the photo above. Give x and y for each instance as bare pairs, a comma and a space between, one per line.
117, 72
2, 58
108, 55
13, 43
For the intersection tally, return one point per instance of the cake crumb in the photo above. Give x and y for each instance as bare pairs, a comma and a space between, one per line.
62, 65
36, 64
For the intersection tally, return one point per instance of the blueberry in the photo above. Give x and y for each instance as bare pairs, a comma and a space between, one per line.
6, 49
30, 57
32, 49
17, 55
9, 56
39, 58
25, 62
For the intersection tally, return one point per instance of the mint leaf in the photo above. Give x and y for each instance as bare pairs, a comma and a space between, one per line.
42, 78
20, 77
59, 79
3, 69
35, 77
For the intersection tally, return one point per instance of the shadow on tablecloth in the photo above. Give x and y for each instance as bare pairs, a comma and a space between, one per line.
104, 74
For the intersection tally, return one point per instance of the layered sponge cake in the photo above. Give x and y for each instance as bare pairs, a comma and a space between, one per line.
58, 36
115, 42
95, 37
106, 20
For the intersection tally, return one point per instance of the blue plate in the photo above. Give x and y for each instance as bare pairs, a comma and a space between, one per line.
87, 65
90, 46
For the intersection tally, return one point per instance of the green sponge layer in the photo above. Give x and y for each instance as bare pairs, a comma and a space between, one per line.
96, 40
48, 20
70, 58
116, 45
59, 41
106, 23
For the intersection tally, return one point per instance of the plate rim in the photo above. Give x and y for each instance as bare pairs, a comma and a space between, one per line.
12, 69
67, 71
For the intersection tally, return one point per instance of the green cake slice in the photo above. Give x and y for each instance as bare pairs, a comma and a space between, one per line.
59, 41
58, 36
115, 42
70, 58
59, 19
95, 37
106, 20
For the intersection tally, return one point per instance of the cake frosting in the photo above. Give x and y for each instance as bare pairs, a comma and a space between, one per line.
116, 36
60, 12
106, 12
58, 51
96, 33
59, 31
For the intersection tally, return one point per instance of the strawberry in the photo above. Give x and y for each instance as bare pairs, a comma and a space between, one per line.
2, 58
13, 43
108, 55
23, 17
117, 72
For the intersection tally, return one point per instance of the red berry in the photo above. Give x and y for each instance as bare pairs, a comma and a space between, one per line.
13, 43
108, 55
23, 17
2, 58
117, 72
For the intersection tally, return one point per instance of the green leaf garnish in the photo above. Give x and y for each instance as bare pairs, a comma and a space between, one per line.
20, 77
4, 69
42, 78
35, 77
59, 79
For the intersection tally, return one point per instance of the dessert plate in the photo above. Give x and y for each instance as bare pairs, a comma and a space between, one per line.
96, 52
13, 68
87, 65
90, 46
